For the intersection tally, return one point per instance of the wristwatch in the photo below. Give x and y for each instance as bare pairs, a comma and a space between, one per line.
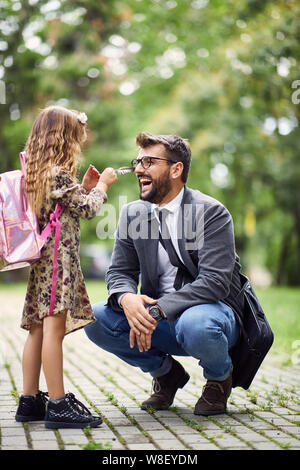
156, 312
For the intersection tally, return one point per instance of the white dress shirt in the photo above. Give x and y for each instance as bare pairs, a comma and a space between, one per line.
165, 270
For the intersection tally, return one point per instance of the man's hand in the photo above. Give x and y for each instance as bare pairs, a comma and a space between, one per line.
140, 321
143, 340
90, 178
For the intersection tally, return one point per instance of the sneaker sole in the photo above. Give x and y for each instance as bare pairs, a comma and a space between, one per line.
25, 419
62, 425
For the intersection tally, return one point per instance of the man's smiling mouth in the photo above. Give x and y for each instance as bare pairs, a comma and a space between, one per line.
144, 181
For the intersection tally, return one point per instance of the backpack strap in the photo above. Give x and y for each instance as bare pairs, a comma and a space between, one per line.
23, 162
54, 223
54, 219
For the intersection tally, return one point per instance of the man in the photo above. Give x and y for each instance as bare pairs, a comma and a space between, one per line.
179, 244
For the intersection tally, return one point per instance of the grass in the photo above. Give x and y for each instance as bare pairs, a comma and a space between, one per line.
97, 290
281, 305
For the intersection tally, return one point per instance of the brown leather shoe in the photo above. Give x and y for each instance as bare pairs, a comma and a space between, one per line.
213, 400
165, 387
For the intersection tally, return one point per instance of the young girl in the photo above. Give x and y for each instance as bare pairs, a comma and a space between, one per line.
52, 153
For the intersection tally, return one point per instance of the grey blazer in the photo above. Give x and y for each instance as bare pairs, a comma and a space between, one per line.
207, 247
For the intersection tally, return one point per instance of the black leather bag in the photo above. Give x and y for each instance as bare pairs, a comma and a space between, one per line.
256, 338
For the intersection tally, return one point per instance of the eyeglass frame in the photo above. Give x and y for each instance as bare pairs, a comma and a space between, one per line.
136, 161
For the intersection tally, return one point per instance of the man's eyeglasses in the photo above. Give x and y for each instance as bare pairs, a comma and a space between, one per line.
146, 161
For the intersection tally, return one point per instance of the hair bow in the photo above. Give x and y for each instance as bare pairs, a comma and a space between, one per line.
82, 117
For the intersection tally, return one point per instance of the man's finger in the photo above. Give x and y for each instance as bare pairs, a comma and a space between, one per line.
148, 300
135, 329
131, 338
139, 326
145, 342
147, 321
140, 342
148, 341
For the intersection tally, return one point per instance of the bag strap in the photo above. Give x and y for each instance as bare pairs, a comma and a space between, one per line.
54, 219
23, 162
54, 223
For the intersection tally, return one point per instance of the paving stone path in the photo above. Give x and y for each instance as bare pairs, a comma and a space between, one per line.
265, 417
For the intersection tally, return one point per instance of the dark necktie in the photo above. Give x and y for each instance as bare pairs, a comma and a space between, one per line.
165, 240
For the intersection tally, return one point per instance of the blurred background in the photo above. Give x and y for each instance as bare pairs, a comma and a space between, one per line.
223, 74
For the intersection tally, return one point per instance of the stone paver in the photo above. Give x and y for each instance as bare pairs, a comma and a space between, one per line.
265, 417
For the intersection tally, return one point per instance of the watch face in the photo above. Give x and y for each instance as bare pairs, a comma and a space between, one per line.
155, 312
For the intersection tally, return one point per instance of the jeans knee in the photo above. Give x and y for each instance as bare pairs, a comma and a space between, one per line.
99, 310
109, 326
203, 337
94, 330
198, 331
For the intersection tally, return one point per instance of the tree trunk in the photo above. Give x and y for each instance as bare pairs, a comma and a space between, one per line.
281, 269
297, 227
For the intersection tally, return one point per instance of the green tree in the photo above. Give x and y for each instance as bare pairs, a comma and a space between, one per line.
218, 73
233, 100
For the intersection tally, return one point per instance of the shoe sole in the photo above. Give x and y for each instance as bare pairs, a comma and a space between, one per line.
181, 384
25, 419
210, 413
62, 425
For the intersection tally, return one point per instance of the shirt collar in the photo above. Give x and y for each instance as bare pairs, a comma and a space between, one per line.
171, 206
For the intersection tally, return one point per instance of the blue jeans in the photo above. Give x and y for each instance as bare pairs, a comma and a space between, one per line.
205, 332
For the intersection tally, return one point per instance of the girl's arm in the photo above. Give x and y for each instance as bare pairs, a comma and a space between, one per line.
91, 178
74, 196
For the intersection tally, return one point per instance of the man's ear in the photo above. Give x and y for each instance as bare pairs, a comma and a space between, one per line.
176, 170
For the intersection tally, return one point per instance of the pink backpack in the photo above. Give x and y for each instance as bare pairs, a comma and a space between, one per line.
20, 240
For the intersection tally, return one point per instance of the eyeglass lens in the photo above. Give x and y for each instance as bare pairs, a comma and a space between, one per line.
145, 162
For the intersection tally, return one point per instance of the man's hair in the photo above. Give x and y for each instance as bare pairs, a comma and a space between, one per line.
177, 149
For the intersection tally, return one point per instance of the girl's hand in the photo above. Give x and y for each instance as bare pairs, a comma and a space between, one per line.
107, 178
90, 178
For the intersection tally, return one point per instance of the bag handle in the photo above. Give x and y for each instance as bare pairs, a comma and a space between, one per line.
23, 162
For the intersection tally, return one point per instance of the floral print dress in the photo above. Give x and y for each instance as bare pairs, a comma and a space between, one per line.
71, 293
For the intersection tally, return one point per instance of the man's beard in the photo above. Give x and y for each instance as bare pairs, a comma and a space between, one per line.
160, 188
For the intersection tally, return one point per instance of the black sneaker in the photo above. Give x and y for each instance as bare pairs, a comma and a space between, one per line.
32, 408
68, 412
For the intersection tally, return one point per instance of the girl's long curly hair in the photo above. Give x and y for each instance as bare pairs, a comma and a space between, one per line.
54, 141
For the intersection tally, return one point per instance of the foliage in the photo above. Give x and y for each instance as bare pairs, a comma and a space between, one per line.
281, 305
222, 74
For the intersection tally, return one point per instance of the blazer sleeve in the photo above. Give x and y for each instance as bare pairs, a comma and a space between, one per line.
216, 260
123, 273
70, 194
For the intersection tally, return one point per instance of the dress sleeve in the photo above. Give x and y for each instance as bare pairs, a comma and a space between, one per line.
69, 193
